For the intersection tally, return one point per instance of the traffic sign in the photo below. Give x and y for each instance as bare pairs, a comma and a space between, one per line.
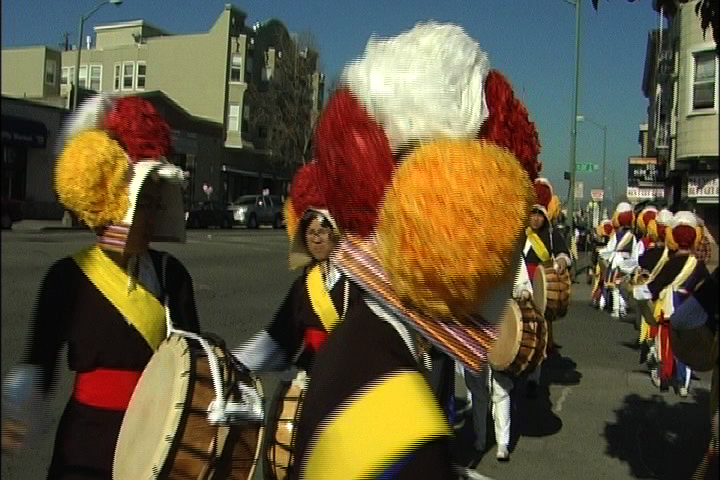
579, 190
597, 194
586, 167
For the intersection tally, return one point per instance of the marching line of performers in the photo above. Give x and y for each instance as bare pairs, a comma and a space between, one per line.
656, 260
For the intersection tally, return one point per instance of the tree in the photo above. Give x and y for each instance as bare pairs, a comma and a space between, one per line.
707, 10
281, 98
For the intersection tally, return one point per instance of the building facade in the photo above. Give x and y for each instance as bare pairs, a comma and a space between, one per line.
204, 76
681, 84
30, 132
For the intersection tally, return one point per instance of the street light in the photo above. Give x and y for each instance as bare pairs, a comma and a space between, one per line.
582, 118
573, 128
80, 41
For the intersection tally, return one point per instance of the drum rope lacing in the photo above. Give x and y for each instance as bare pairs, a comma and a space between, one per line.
221, 410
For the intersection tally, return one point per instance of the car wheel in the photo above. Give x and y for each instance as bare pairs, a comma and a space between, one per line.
278, 221
6, 222
252, 222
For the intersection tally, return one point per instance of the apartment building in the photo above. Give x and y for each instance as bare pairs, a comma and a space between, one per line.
681, 84
205, 75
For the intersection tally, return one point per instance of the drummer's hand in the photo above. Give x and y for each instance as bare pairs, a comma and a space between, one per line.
525, 295
13, 435
561, 265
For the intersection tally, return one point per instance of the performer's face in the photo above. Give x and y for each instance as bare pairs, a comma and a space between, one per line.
537, 220
148, 205
319, 240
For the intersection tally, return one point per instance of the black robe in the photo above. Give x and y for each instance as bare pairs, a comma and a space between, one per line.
361, 350
70, 309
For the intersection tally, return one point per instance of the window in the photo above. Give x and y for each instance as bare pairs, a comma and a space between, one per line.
68, 76
704, 74
234, 118
96, 77
50, 68
83, 76
116, 77
128, 75
141, 73
236, 70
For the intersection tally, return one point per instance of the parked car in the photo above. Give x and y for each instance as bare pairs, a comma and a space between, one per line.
11, 213
208, 214
255, 210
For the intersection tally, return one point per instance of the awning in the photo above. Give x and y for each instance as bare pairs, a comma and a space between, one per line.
23, 132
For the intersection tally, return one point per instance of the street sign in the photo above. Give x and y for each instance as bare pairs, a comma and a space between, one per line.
579, 190
586, 167
597, 194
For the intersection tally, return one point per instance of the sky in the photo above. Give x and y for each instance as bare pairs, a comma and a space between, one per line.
531, 41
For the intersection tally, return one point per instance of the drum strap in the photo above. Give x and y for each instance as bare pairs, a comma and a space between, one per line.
537, 244
139, 307
399, 409
664, 305
320, 298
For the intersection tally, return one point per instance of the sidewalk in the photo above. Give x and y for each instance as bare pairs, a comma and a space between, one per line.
27, 226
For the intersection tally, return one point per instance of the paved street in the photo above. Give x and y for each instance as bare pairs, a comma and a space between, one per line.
598, 418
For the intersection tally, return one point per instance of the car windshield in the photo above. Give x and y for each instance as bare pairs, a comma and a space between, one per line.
246, 200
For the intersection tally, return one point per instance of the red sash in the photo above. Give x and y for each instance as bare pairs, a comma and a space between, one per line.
106, 388
314, 337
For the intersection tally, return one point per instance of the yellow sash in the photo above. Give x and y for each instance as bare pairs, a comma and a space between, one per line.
664, 304
320, 299
140, 307
537, 245
386, 419
661, 263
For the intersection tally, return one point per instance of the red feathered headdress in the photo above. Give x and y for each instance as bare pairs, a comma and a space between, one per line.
509, 124
139, 128
355, 162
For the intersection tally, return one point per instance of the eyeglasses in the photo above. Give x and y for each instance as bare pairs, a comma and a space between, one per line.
322, 233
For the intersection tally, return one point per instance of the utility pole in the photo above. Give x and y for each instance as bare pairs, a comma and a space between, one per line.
66, 43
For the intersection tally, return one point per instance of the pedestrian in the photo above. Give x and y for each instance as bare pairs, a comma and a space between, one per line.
319, 297
431, 193
107, 302
603, 232
667, 291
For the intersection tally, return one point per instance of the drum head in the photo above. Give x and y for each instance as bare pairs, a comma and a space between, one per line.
507, 344
156, 407
540, 290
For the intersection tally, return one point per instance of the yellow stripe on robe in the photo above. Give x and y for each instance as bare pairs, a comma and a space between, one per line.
320, 299
376, 426
139, 307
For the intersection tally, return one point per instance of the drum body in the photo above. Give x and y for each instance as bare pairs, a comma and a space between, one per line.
165, 431
558, 292
520, 346
283, 416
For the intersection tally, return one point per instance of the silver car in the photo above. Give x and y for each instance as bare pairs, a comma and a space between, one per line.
255, 210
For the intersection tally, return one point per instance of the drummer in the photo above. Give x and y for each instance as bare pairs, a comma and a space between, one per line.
649, 265
492, 389
668, 290
621, 257
106, 301
399, 181
319, 297
542, 244
603, 231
